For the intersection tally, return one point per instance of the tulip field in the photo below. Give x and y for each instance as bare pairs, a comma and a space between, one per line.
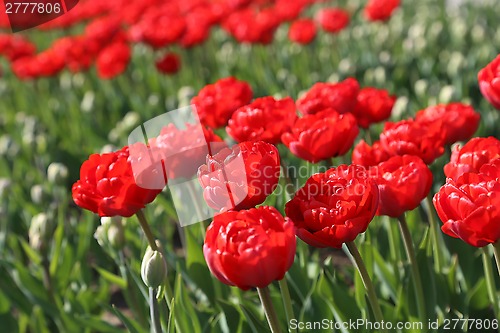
254, 166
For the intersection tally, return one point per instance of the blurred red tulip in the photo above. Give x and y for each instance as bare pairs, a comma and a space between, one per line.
460, 121
113, 60
216, 102
373, 106
333, 20
107, 186
184, 150
320, 136
380, 10
169, 64
15, 47
241, 177
334, 207
250, 248
338, 96
472, 156
265, 119
302, 31
489, 82
413, 138
403, 182
159, 27
470, 206
365, 155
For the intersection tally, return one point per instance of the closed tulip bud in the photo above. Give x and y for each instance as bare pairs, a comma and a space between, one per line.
446, 94
40, 231
41, 143
57, 173
38, 194
421, 88
8, 147
116, 236
109, 148
4, 186
111, 231
153, 268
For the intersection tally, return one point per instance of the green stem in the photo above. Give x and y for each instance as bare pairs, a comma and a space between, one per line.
496, 251
417, 282
368, 136
287, 301
272, 317
490, 280
169, 294
289, 186
129, 294
153, 309
147, 231
438, 256
197, 208
393, 245
365, 277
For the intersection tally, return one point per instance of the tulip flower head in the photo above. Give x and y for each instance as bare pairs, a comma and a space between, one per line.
250, 248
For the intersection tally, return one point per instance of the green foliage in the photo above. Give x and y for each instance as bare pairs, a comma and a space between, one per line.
424, 55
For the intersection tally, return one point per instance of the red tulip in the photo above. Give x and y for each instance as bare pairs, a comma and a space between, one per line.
78, 52
302, 31
338, 96
199, 22
104, 29
216, 102
113, 60
14, 47
470, 206
250, 248
265, 119
333, 20
159, 27
44, 64
403, 182
472, 156
107, 186
241, 177
183, 151
380, 10
413, 138
320, 136
289, 10
169, 64
249, 26
334, 207
489, 82
365, 155
373, 106
460, 121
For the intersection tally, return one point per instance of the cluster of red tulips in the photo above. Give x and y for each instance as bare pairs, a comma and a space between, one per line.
250, 247
114, 26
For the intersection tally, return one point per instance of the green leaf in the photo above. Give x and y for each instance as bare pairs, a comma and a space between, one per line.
38, 323
186, 316
4, 303
232, 317
131, 326
33, 256
96, 324
112, 278
197, 269
58, 240
478, 297
254, 315
171, 316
